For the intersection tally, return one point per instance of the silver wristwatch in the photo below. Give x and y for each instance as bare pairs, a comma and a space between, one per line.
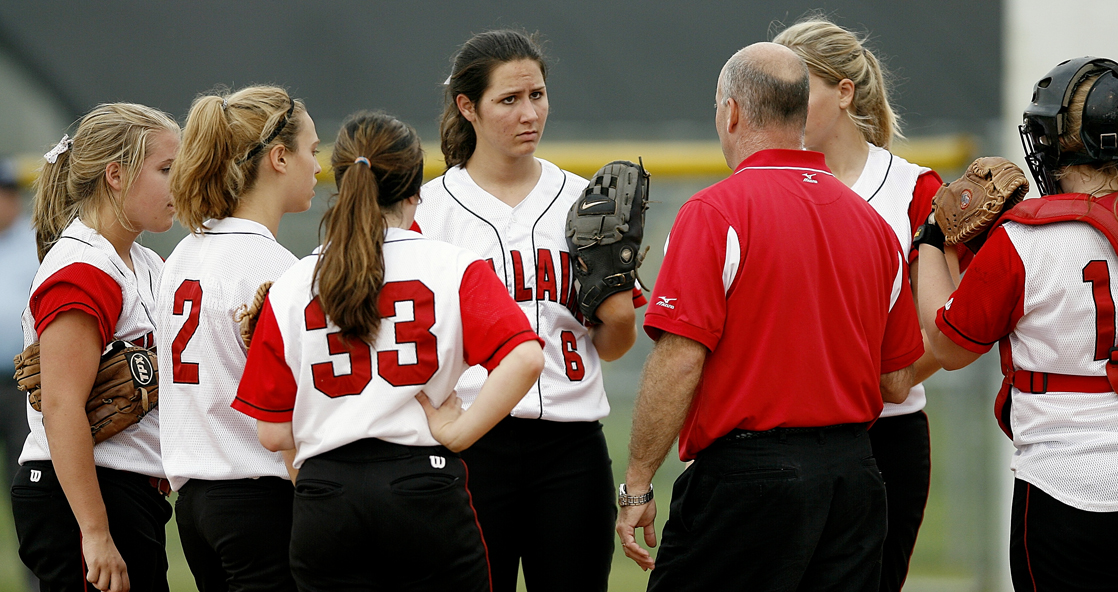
624, 499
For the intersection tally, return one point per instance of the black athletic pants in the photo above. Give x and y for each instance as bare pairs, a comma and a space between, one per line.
378, 516
50, 541
783, 510
544, 494
1057, 548
236, 534
902, 447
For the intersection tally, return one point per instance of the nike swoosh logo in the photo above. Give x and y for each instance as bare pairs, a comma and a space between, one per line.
590, 204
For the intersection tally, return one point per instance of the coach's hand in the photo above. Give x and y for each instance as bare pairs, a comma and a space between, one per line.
629, 519
106, 568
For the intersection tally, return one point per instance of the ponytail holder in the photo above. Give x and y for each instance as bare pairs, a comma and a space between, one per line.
224, 103
364, 160
62, 146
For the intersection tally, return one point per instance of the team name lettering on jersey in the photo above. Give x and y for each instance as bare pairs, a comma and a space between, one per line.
549, 285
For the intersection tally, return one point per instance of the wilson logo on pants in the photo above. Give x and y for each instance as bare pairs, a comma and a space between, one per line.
439, 462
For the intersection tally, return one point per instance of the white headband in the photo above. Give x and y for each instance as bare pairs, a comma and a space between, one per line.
62, 146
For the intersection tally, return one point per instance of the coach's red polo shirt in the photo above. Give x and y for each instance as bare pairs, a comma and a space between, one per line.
796, 286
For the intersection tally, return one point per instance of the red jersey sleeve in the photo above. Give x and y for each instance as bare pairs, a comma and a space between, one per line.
927, 184
82, 287
267, 389
990, 299
689, 299
492, 324
902, 344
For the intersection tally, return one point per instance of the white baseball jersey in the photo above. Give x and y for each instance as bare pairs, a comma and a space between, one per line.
206, 280
83, 271
1050, 288
527, 247
889, 184
442, 310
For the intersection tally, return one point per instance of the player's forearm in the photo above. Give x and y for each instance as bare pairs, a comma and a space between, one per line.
503, 389
936, 287
927, 365
618, 331
668, 383
69, 356
275, 436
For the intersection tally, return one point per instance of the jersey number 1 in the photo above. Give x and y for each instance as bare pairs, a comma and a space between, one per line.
1097, 273
416, 331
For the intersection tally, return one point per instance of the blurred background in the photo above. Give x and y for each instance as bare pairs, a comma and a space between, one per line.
626, 79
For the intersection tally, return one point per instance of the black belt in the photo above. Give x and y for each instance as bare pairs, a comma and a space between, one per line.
737, 435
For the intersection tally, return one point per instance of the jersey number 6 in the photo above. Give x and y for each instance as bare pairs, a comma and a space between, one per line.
416, 331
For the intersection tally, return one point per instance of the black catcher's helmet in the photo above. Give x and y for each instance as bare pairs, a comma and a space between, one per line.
1045, 119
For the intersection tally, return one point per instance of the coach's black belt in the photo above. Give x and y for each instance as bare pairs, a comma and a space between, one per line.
737, 435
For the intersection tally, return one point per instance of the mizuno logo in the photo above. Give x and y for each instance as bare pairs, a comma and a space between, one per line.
666, 302
589, 204
810, 177
439, 462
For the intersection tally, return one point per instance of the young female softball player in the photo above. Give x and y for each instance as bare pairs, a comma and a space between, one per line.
346, 341
85, 512
497, 199
247, 158
851, 122
1041, 287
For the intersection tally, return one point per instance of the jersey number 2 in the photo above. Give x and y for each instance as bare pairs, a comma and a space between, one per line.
416, 331
190, 291
1097, 273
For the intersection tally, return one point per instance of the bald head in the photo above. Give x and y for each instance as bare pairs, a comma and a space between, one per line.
769, 82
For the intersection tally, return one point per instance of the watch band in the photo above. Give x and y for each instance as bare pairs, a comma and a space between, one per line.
624, 499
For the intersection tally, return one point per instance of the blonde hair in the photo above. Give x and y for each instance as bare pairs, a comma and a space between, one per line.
225, 138
74, 185
1072, 142
833, 54
378, 163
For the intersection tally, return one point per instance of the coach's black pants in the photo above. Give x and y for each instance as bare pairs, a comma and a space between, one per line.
50, 541
1057, 548
378, 516
236, 534
776, 511
902, 448
544, 495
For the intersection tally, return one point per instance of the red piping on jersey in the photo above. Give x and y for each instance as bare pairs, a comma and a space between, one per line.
470, 497
1025, 536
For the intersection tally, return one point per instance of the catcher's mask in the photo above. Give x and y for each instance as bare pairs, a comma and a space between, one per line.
1045, 119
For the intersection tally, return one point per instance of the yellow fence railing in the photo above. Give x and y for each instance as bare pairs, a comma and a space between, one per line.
663, 158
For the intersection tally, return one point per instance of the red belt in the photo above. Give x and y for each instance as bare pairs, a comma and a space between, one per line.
161, 485
1041, 382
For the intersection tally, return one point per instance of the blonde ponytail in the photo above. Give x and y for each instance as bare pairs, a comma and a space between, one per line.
834, 54
74, 186
224, 141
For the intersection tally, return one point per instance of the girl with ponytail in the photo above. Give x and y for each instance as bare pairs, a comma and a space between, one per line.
248, 158
353, 366
852, 123
84, 512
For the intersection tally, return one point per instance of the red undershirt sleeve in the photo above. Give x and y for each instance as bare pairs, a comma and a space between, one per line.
81, 287
927, 184
990, 299
268, 388
492, 324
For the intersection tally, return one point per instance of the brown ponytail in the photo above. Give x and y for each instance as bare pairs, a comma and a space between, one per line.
350, 272
832, 53
470, 71
225, 139
73, 186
